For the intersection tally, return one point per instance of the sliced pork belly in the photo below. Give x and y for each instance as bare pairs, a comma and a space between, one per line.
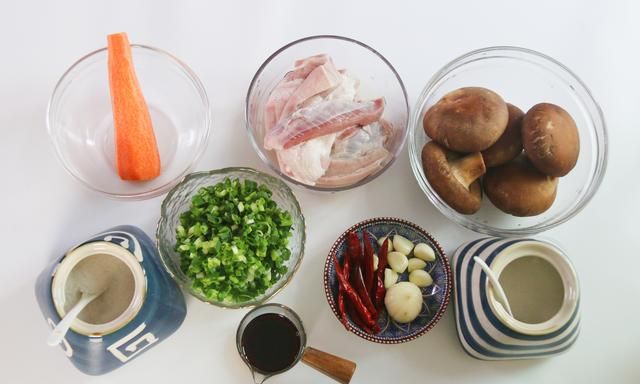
308, 161
347, 89
331, 116
344, 179
277, 100
357, 155
303, 67
323, 78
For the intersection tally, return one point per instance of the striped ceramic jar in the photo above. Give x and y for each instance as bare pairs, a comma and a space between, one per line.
485, 329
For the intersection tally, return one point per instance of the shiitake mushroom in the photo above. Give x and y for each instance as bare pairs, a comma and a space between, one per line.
467, 120
519, 189
474, 129
550, 138
509, 145
454, 177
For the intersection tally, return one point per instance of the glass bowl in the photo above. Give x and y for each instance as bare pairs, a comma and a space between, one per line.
178, 200
80, 122
522, 77
378, 78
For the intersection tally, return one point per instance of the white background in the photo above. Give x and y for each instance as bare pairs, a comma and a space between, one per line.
44, 211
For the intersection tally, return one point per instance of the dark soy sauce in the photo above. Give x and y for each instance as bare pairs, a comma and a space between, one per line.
271, 343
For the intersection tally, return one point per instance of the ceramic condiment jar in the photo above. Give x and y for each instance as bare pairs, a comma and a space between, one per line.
544, 322
153, 310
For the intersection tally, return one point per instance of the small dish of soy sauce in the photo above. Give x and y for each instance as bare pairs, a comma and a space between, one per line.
271, 340
265, 332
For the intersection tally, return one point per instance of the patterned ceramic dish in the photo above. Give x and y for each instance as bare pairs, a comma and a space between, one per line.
436, 296
486, 331
179, 200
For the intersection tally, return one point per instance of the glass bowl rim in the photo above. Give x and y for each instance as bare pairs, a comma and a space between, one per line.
601, 153
191, 76
224, 171
257, 148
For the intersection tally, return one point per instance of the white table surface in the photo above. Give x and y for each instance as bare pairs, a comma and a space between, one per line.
44, 211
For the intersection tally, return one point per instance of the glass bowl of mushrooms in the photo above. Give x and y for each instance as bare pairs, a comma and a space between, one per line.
507, 141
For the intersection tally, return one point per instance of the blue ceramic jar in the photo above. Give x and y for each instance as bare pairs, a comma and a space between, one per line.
486, 329
156, 308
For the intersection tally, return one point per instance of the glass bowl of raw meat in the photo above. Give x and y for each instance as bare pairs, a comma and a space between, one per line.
327, 112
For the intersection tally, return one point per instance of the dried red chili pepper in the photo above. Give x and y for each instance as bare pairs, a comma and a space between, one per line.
367, 263
353, 297
356, 319
354, 251
364, 294
356, 279
341, 301
382, 264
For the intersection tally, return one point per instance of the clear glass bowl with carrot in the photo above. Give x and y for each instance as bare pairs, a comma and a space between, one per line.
129, 121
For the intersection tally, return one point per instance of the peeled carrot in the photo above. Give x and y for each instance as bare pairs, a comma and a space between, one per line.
137, 156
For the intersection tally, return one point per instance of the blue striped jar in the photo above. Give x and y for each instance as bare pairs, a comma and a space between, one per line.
485, 328
156, 308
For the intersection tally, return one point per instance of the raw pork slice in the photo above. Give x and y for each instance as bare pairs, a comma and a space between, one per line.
345, 179
322, 78
347, 89
307, 162
357, 155
303, 67
327, 117
277, 100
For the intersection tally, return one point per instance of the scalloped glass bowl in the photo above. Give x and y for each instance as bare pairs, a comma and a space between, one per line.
178, 200
80, 122
522, 77
377, 78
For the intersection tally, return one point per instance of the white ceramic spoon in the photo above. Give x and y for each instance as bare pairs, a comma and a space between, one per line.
56, 336
500, 295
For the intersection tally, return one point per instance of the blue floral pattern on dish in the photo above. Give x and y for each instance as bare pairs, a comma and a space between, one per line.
436, 296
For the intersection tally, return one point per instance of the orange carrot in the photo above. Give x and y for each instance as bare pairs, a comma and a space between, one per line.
137, 156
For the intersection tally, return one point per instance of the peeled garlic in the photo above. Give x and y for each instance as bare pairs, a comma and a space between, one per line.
390, 278
424, 252
375, 262
415, 263
421, 278
402, 244
403, 302
397, 261
389, 243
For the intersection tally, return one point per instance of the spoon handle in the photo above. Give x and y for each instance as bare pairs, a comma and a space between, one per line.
337, 368
55, 337
501, 296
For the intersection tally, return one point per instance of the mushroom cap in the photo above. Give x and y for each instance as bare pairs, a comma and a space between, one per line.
468, 119
436, 162
550, 139
519, 189
509, 145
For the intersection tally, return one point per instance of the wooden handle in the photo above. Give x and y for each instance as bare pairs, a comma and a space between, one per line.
337, 368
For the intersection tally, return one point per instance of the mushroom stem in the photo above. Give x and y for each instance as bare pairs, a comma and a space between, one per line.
468, 169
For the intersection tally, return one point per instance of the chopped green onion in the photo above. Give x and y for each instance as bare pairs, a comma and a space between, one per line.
233, 240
